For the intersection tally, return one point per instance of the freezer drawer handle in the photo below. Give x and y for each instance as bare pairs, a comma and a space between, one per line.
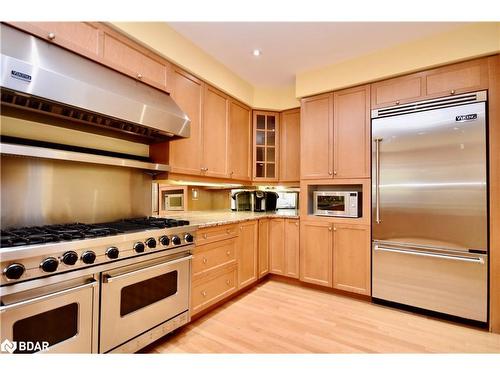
450, 257
106, 278
92, 283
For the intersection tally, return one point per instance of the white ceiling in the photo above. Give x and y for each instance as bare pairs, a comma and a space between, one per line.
289, 48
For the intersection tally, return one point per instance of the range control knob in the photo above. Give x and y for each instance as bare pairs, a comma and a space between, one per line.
151, 243
49, 264
139, 247
164, 240
70, 258
176, 240
14, 271
88, 257
112, 252
188, 237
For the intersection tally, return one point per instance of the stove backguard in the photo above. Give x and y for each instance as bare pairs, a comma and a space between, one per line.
41, 192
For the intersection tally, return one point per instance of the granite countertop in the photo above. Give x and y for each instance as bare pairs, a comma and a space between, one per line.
206, 219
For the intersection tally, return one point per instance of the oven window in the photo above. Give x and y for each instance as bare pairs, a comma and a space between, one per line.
331, 202
53, 326
147, 292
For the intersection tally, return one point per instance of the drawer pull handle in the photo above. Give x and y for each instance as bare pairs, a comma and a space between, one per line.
452, 92
228, 253
51, 36
205, 260
204, 293
397, 102
139, 76
205, 236
228, 282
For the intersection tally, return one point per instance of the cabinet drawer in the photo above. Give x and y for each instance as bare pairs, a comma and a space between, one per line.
212, 255
211, 289
217, 233
457, 78
133, 62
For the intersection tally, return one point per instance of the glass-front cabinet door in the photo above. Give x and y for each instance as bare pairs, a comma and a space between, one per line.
266, 145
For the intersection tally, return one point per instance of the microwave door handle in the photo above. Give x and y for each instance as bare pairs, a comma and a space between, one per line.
377, 180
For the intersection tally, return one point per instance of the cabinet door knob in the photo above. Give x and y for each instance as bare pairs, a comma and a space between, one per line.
205, 236
228, 253
334, 173
330, 173
228, 282
51, 36
139, 76
296, 223
452, 92
397, 102
330, 229
334, 229
205, 260
204, 293
228, 231
204, 169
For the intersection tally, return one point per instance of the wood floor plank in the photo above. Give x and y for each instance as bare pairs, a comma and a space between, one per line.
277, 317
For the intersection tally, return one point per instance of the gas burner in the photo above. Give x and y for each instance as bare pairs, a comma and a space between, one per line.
53, 233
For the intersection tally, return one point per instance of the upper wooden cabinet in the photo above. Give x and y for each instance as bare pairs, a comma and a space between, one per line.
316, 244
265, 146
240, 141
215, 133
290, 146
351, 258
186, 153
335, 135
316, 137
351, 125
123, 55
81, 37
448, 80
247, 250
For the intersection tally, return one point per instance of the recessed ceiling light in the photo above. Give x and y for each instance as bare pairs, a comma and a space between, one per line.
257, 52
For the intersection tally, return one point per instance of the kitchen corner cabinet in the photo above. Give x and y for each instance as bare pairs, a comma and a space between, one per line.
186, 153
316, 252
265, 146
240, 141
215, 133
316, 137
447, 80
351, 258
290, 146
263, 263
247, 250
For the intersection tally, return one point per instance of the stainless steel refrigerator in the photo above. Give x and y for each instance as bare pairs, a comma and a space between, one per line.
429, 205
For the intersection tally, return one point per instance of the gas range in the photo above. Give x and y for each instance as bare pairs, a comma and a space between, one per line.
34, 252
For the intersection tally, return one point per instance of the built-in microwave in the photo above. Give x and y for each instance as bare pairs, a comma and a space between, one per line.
173, 202
337, 203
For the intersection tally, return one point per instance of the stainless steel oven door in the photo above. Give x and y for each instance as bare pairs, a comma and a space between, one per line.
55, 318
137, 298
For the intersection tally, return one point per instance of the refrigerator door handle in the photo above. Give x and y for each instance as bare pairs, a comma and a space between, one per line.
377, 180
428, 254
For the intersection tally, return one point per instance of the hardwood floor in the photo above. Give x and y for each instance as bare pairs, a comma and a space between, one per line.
277, 317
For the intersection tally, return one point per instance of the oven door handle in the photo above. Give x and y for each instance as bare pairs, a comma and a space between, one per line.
107, 278
92, 283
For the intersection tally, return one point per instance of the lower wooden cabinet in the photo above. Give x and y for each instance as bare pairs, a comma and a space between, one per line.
263, 263
215, 286
336, 255
316, 252
247, 252
351, 258
284, 247
212, 255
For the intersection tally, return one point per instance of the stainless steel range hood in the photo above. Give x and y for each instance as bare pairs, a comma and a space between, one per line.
41, 77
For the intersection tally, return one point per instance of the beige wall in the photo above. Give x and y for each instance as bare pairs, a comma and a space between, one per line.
473, 40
